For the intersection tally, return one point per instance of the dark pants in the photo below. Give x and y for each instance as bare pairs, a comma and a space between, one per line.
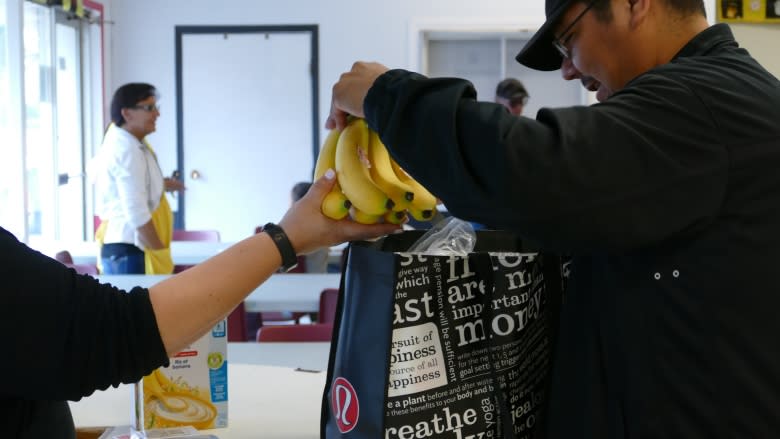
122, 258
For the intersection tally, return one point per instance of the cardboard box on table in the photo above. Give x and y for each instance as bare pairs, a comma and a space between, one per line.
191, 391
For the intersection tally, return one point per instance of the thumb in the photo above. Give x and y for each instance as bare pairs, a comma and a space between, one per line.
323, 185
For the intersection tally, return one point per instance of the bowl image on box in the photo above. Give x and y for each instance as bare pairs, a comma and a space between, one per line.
191, 391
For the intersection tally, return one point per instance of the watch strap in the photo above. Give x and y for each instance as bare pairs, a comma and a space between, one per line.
289, 258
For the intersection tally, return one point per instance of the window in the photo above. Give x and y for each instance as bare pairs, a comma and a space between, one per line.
51, 83
11, 175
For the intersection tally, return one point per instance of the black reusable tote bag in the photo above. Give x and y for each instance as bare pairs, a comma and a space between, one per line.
442, 346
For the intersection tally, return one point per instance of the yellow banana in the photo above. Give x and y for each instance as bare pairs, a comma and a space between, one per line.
383, 175
395, 216
424, 203
361, 217
352, 170
335, 205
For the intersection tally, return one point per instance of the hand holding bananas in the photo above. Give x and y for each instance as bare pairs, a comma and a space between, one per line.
308, 229
371, 187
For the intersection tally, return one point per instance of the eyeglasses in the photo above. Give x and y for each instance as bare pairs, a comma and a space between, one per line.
562, 40
147, 107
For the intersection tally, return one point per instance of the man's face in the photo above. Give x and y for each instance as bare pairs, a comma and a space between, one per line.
142, 117
593, 46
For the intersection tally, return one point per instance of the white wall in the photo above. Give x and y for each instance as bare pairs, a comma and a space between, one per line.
762, 41
140, 42
142, 37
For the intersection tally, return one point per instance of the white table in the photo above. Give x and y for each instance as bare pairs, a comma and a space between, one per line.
264, 401
305, 355
281, 292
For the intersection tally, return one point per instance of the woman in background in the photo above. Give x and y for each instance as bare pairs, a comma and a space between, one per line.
136, 221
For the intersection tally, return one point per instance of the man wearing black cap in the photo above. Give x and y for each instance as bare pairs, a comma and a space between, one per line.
666, 193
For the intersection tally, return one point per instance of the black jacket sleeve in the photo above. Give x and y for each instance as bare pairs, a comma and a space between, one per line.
66, 335
603, 177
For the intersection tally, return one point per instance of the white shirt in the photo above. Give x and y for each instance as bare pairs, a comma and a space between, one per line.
128, 185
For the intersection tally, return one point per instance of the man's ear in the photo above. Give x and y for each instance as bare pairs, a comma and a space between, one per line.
638, 11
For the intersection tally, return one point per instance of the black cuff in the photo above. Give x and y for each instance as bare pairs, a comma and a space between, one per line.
289, 258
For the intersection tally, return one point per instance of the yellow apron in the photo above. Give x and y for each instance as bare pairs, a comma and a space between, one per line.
160, 261
100, 233
155, 261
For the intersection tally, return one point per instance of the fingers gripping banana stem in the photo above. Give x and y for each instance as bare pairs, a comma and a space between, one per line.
353, 174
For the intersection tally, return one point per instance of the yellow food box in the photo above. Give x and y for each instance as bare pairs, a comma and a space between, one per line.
191, 391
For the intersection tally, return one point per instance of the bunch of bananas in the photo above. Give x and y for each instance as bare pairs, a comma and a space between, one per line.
370, 185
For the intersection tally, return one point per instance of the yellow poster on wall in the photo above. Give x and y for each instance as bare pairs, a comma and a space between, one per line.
749, 11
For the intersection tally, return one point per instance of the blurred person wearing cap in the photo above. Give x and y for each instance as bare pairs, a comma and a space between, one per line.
136, 222
666, 193
511, 93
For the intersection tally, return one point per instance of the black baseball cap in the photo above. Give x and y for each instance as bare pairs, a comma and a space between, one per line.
539, 53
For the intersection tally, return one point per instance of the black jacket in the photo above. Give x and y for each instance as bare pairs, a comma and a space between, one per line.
65, 336
668, 197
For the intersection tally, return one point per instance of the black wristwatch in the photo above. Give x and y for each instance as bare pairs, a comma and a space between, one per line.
289, 258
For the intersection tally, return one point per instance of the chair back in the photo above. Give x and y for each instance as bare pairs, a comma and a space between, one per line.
64, 257
296, 333
329, 298
196, 235
236, 324
84, 268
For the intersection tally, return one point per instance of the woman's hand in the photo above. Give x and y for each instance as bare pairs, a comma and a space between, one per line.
173, 184
308, 229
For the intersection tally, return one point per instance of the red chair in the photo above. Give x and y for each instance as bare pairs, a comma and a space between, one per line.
84, 269
236, 323
196, 235
257, 320
64, 257
329, 299
295, 333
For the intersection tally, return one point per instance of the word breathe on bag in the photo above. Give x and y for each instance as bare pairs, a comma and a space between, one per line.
447, 422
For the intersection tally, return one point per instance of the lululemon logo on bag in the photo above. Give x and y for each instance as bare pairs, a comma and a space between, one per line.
344, 403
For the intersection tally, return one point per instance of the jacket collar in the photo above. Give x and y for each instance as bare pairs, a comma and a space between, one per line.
708, 40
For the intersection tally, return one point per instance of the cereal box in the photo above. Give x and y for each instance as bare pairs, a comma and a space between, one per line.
191, 391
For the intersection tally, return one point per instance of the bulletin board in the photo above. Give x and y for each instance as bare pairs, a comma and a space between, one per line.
749, 11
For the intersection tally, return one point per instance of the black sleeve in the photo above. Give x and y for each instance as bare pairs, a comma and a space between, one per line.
66, 335
604, 177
